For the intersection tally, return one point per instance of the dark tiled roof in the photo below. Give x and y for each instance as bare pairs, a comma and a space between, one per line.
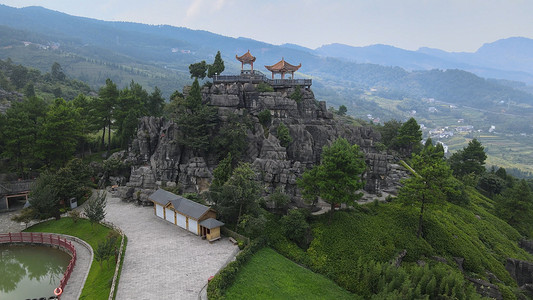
182, 205
189, 208
162, 197
211, 223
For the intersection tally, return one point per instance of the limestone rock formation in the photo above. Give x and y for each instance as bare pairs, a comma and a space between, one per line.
158, 158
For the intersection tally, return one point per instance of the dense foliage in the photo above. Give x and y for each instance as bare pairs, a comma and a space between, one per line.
338, 176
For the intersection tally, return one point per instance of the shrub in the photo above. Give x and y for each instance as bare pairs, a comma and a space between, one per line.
284, 135
264, 87
295, 227
297, 94
265, 117
74, 215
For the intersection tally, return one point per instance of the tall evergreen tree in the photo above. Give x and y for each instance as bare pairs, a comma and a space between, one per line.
432, 183
196, 121
20, 133
217, 67
105, 106
409, 137
515, 206
59, 134
470, 160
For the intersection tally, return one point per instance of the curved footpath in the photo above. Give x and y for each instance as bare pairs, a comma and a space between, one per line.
84, 258
163, 261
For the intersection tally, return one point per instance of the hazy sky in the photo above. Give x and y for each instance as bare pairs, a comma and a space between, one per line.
452, 25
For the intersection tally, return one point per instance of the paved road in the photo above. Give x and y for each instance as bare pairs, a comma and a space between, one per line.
163, 261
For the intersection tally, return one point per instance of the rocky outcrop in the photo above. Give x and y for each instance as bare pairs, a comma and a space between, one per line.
157, 157
521, 271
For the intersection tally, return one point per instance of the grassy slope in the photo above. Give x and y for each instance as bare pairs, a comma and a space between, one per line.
380, 232
98, 284
269, 275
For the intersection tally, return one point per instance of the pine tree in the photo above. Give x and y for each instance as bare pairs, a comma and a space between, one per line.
217, 67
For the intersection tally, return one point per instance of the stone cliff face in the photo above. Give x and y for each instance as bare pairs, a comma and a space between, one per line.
158, 158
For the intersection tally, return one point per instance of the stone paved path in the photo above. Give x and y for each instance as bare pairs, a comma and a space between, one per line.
163, 261
84, 259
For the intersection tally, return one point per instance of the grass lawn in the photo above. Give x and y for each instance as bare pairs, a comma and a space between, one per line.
98, 283
269, 275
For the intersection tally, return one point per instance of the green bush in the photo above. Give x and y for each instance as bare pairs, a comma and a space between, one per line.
297, 94
284, 135
264, 87
265, 117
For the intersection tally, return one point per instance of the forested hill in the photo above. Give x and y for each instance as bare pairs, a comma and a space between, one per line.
17, 82
93, 50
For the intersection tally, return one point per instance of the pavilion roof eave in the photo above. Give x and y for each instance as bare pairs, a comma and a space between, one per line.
246, 58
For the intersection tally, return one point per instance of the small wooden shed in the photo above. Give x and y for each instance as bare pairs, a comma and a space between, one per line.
194, 217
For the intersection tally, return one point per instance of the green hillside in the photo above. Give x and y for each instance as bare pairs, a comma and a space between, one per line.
358, 248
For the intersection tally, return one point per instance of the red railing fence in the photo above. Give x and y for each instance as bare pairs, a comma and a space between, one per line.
44, 238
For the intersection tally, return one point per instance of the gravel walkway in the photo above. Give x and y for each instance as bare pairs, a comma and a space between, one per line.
163, 261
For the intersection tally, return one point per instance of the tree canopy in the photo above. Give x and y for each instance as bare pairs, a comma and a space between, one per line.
217, 67
338, 176
409, 137
470, 160
198, 70
432, 183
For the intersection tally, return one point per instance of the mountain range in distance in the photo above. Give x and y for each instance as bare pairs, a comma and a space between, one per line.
91, 50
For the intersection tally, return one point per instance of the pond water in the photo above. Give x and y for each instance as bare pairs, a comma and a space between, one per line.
30, 271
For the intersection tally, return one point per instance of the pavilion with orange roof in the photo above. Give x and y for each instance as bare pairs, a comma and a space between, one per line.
246, 59
283, 67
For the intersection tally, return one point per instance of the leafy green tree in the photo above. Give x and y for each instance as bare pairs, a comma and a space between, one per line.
409, 137
198, 70
83, 105
57, 72
342, 110
196, 120
231, 136
265, 117
223, 171
491, 184
155, 103
95, 208
338, 176
59, 134
279, 199
29, 90
20, 131
469, 160
252, 226
43, 197
389, 133
432, 183
239, 195
284, 135
515, 206
217, 67
295, 226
